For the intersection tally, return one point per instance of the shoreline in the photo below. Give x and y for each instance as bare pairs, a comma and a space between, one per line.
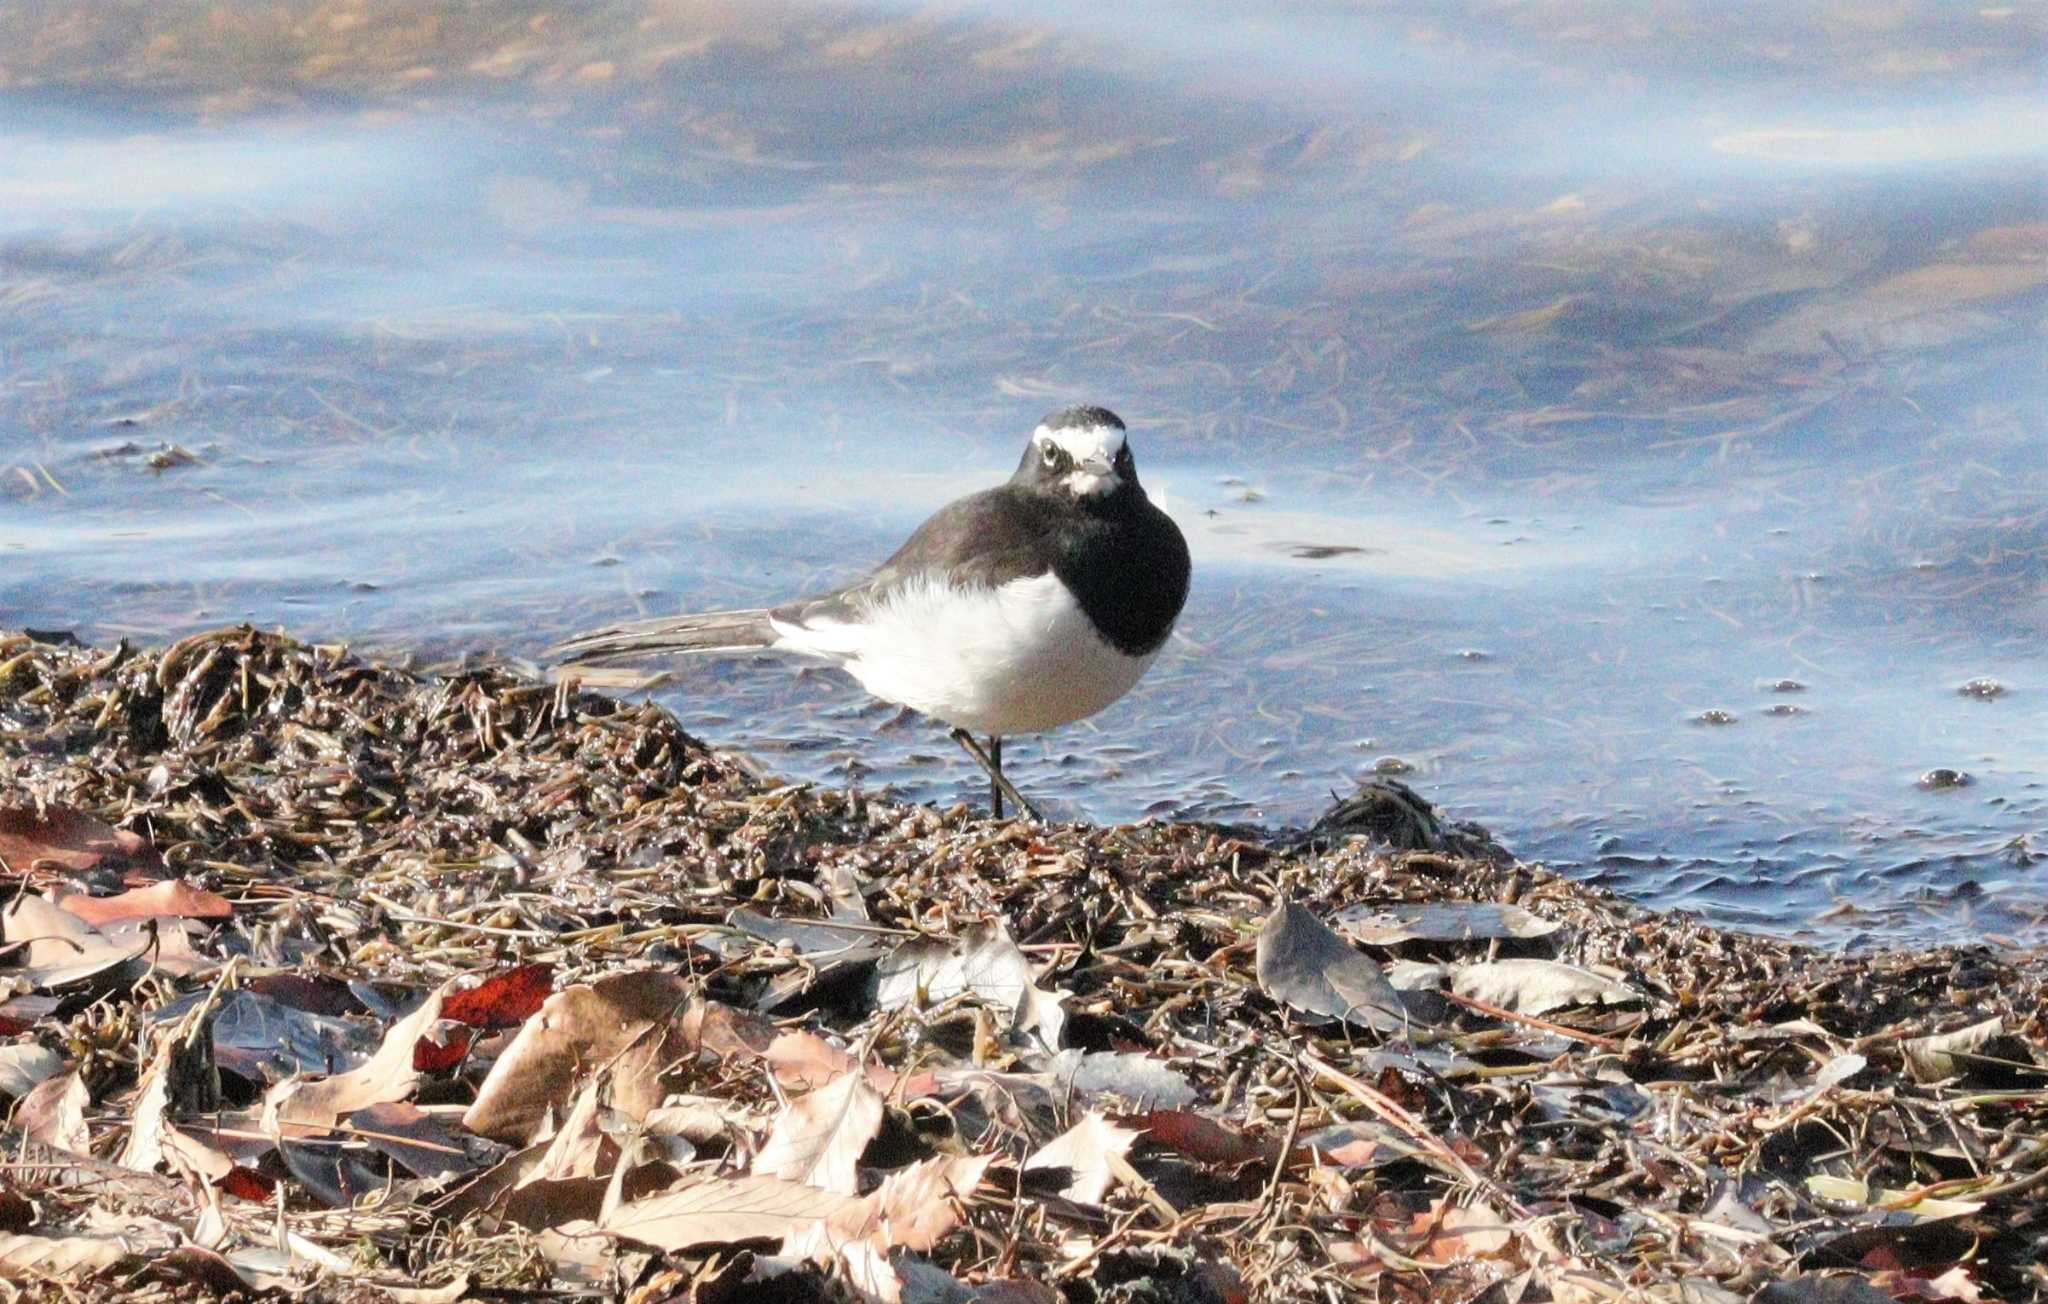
1573, 1093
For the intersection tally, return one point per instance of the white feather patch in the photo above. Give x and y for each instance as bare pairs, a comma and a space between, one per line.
1083, 442
1018, 658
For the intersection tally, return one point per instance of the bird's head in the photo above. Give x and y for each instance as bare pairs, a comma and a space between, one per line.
1080, 453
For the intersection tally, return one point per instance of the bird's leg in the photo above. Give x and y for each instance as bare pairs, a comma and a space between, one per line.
995, 777
999, 787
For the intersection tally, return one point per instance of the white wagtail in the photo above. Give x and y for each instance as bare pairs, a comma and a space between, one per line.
1013, 610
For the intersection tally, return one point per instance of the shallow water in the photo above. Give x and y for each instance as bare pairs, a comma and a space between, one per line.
1536, 384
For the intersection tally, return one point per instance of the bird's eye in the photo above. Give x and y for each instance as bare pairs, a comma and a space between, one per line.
1123, 459
1052, 455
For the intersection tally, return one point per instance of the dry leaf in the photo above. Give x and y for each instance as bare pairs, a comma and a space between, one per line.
148, 1117
25, 1065
722, 1211
915, 1206
306, 1103
580, 1148
64, 838
1440, 921
1538, 986
172, 897
445, 1294
575, 1030
53, 1114
62, 948
1090, 1151
820, 1137
1449, 1233
69, 1259
1930, 1059
983, 962
1301, 963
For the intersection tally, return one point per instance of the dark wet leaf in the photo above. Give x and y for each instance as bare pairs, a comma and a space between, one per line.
424, 1144
336, 1175
266, 1041
1818, 1289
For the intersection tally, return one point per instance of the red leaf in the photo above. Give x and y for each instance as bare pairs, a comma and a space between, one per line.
503, 1000
1200, 1138
247, 1184
430, 1056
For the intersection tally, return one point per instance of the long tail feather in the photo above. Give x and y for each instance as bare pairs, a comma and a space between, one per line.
710, 631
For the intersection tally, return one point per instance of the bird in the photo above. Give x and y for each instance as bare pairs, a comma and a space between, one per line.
1014, 610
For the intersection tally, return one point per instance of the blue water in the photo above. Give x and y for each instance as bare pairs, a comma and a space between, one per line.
1535, 383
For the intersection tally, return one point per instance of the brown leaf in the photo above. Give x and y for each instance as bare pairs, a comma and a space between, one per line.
148, 1117
54, 1114
914, 1207
65, 838
581, 1148
1090, 1150
574, 1031
804, 1061
819, 1138
1448, 1233
722, 1211
173, 896
320, 1103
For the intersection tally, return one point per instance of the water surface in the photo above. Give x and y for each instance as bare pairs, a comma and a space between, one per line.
1626, 424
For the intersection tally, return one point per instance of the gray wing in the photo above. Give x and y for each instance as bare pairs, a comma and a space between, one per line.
983, 540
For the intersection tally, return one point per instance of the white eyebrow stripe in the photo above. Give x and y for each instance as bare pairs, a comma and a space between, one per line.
1083, 442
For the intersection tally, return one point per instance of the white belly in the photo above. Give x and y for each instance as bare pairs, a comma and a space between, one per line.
1015, 659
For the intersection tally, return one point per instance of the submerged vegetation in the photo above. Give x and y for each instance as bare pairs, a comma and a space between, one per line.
335, 979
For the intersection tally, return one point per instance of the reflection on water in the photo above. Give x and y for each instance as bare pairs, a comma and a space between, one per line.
1627, 424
